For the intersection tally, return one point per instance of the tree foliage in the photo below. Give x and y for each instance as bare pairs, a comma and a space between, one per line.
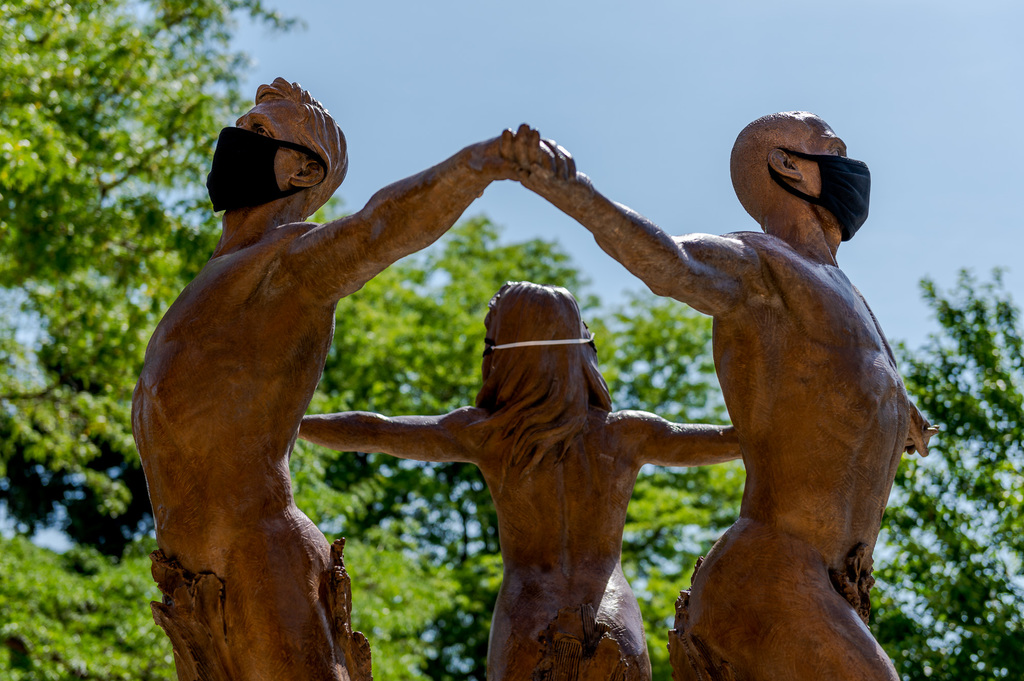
110, 111
78, 615
951, 597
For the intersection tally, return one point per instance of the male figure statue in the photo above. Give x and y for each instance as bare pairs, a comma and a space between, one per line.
811, 386
233, 364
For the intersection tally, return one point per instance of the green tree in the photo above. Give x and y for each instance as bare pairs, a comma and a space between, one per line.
950, 596
83, 615
78, 615
109, 116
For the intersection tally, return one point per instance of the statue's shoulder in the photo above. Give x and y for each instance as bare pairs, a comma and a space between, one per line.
761, 242
236, 271
263, 251
622, 423
624, 432
464, 417
470, 425
769, 248
290, 231
737, 242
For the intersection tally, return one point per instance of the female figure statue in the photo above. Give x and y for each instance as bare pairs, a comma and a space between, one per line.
560, 466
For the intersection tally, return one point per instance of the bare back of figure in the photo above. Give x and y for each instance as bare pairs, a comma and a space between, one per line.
560, 525
560, 467
843, 403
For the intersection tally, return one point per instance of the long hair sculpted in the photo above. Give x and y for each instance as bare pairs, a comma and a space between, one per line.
539, 397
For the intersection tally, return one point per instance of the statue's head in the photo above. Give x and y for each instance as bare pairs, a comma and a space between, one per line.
287, 144
314, 128
541, 392
793, 161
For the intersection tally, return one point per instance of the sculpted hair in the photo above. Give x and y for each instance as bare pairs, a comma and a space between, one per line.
318, 132
748, 164
539, 397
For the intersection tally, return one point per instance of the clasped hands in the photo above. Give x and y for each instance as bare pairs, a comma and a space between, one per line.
541, 165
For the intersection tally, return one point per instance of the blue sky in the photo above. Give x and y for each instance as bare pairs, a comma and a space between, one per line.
649, 96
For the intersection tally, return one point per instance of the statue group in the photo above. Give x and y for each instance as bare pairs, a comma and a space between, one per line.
821, 418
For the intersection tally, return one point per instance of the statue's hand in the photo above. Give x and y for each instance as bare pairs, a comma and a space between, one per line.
533, 156
499, 158
920, 433
541, 164
509, 156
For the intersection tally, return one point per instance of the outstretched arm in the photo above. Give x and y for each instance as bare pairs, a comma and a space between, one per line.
423, 438
664, 443
338, 258
710, 273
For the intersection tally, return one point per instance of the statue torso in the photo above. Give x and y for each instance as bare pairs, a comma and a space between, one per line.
560, 525
228, 374
816, 399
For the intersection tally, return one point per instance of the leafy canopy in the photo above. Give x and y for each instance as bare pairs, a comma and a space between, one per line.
109, 115
950, 598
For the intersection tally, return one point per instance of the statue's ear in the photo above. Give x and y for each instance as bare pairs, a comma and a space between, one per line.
310, 173
785, 164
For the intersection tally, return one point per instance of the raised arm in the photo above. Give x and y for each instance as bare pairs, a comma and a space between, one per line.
339, 257
664, 443
710, 273
423, 438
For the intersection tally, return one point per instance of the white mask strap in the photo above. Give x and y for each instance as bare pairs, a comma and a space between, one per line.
524, 344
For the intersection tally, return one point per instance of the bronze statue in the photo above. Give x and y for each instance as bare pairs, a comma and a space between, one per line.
230, 370
812, 388
560, 466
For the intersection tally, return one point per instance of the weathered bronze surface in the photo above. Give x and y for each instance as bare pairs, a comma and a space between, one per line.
560, 466
229, 373
813, 391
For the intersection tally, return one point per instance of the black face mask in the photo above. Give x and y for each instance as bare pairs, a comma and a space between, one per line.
845, 189
243, 169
